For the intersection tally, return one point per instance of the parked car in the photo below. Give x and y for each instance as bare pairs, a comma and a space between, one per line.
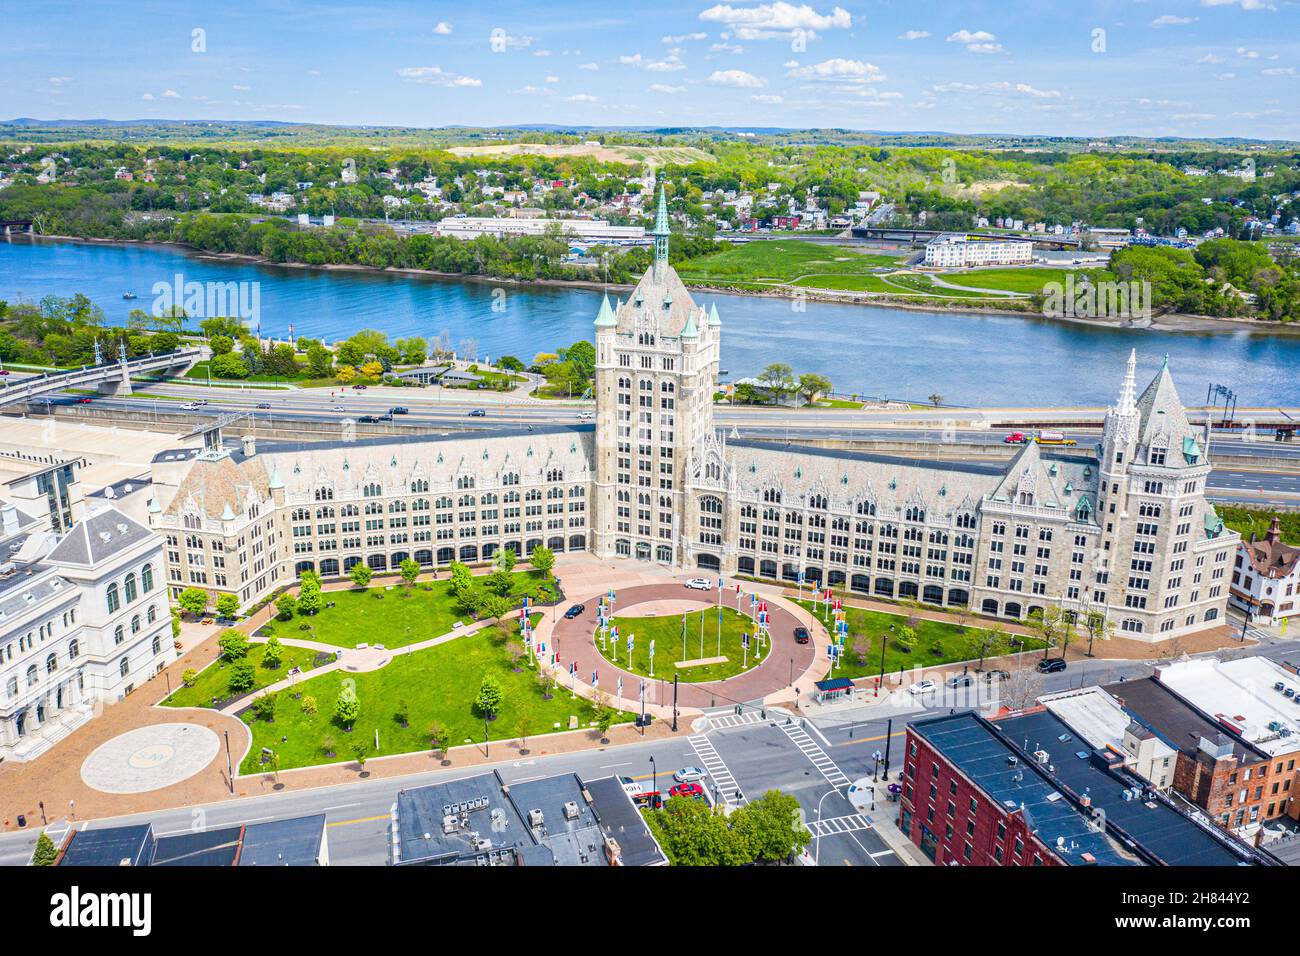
801, 635
921, 687
399, 410
84, 400
993, 675
574, 611
699, 584
477, 413
961, 680
1051, 665
689, 775
631, 786
4, 371
692, 790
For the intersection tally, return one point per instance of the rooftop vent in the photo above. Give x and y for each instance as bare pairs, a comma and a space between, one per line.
571, 810
535, 818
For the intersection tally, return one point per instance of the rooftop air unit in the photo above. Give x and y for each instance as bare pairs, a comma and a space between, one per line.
571, 810
535, 818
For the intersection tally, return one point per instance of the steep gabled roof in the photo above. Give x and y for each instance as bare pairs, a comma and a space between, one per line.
1162, 421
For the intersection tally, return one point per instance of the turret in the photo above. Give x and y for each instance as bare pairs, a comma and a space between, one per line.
661, 233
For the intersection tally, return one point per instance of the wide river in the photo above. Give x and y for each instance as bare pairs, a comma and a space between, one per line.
968, 359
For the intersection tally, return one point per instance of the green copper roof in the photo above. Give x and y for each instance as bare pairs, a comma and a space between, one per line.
690, 331
227, 514
605, 317
154, 507
661, 217
713, 315
276, 480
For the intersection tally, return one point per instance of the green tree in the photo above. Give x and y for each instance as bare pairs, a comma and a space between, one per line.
320, 361
190, 677
310, 600
234, 645
771, 827
542, 559
229, 365
490, 696
510, 364
347, 708
778, 379
264, 707
694, 834
242, 677
221, 345
812, 386
272, 653
284, 607
227, 605
497, 607
193, 601
439, 738
360, 574
46, 852
410, 570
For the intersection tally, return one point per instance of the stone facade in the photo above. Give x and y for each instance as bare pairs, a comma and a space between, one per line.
1121, 528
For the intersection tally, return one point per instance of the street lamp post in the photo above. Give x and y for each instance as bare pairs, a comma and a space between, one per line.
654, 777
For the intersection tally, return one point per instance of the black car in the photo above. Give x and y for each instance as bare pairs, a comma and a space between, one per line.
359, 388
477, 413
993, 675
574, 611
263, 404
1051, 665
367, 420
801, 635
399, 410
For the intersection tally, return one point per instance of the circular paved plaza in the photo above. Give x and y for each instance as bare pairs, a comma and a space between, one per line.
150, 758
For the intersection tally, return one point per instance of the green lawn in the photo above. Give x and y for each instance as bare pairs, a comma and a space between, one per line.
666, 632
437, 683
779, 261
1028, 281
914, 282
850, 283
214, 678
388, 616
932, 636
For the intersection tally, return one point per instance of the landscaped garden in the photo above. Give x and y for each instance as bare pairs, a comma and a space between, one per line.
402, 614
666, 632
212, 686
778, 261
915, 642
428, 699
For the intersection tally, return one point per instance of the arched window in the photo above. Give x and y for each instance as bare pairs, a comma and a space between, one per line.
135, 623
419, 485
152, 614
124, 667
867, 508
129, 587
32, 676
146, 579
114, 599
74, 649
372, 490
324, 494
51, 664
118, 635
817, 501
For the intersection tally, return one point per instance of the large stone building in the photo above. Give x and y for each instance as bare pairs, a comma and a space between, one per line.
1122, 527
83, 612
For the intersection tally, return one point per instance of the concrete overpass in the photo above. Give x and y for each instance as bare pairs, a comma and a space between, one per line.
9, 226
919, 237
111, 378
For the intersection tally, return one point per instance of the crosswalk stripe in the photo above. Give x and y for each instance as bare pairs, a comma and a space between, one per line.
712, 761
845, 824
824, 764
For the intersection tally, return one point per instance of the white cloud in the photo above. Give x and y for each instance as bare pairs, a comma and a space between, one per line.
147, 96
767, 98
665, 88
436, 76
1225, 76
634, 60
1280, 71
978, 41
171, 95
736, 78
593, 67
683, 37
541, 53
841, 69
669, 64
1211, 58
769, 20
725, 47
581, 98
1169, 20
552, 78
1244, 4
240, 88
505, 41
914, 35
1193, 116
1247, 54
59, 80
443, 28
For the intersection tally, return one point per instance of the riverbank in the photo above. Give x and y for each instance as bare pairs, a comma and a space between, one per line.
1171, 322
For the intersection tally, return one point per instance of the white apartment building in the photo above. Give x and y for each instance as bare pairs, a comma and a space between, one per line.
1266, 577
589, 230
957, 251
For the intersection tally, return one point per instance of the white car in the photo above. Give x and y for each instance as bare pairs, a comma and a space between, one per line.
921, 687
339, 408
699, 584
689, 775
189, 406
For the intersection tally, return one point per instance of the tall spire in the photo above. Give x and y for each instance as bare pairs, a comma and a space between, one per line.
1128, 391
661, 234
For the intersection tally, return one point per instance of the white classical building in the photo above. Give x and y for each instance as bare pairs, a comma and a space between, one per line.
1266, 577
83, 612
1122, 527
957, 251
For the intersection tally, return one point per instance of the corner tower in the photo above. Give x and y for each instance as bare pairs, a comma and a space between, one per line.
656, 370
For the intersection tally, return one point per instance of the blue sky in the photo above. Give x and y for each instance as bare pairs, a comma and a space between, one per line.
1103, 67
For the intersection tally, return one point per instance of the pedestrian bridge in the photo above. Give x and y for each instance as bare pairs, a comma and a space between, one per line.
111, 378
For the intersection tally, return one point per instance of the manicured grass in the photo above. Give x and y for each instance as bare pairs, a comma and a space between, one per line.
214, 679
779, 260
438, 683
913, 282
1028, 280
666, 632
842, 283
950, 643
389, 616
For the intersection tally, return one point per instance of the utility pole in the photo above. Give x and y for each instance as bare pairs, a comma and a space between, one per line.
889, 733
675, 703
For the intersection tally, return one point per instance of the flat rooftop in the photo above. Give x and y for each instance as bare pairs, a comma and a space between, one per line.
1175, 720
1249, 696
